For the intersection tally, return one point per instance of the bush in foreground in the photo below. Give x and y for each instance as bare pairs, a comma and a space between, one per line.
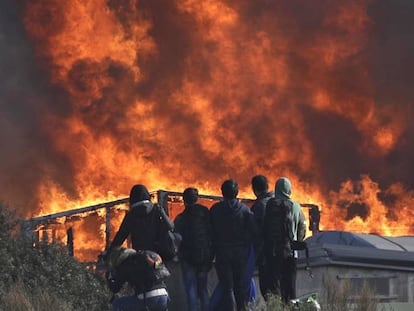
44, 277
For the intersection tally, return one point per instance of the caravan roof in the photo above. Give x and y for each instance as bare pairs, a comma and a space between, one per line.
357, 249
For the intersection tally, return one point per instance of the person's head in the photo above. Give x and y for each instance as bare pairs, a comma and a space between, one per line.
283, 188
190, 196
118, 255
230, 189
260, 185
138, 193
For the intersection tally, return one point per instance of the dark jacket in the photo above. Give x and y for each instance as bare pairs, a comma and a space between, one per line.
145, 222
194, 226
232, 224
134, 271
259, 208
259, 211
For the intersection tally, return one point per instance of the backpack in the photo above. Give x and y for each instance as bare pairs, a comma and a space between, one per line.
144, 268
168, 244
278, 234
168, 241
155, 269
196, 247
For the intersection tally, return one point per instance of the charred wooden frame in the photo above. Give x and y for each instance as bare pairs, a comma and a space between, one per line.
31, 227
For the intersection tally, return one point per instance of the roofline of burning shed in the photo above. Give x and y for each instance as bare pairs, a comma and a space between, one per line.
32, 224
160, 194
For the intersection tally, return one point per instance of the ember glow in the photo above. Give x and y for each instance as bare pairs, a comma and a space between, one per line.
102, 94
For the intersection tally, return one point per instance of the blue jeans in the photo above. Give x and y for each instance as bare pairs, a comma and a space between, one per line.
132, 303
195, 284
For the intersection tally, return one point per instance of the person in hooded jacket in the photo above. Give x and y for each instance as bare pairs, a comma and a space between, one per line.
145, 272
282, 269
233, 231
260, 187
145, 222
195, 252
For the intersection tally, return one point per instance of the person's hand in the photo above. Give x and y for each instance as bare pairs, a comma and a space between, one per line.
104, 255
102, 260
114, 297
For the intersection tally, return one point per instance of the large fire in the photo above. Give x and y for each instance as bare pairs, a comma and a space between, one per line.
177, 93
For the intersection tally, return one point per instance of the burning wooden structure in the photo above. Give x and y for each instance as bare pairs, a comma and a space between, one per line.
60, 226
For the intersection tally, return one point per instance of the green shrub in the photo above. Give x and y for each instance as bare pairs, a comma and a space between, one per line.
44, 277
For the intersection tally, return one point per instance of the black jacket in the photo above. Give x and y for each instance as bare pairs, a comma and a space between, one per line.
259, 208
134, 271
259, 211
194, 226
232, 224
145, 222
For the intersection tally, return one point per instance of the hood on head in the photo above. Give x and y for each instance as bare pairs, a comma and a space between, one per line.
142, 208
283, 188
118, 255
138, 193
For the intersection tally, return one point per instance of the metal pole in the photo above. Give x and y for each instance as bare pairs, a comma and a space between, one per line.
107, 227
314, 219
69, 234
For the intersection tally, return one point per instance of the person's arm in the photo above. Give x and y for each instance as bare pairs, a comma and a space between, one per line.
125, 272
122, 233
258, 212
301, 232
251, 226
169, 225
114, 281
258, 209
211, 213
209, 231
178, 224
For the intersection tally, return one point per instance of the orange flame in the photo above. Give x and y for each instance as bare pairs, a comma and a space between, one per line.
187, 93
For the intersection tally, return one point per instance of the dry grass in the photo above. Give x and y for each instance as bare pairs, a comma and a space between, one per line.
336, 296
21, 298
342, 297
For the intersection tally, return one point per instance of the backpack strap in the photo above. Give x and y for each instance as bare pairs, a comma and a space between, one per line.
164, 217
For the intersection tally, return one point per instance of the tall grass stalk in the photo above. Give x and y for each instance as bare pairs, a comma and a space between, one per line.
21, 298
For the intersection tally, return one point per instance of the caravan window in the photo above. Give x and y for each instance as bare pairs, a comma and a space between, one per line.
378, 284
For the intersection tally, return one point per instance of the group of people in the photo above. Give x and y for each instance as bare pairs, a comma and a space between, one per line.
230, 236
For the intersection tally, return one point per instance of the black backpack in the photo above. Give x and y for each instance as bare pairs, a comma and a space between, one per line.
278, 234
196, 246
155, 269
141, 268
168, 241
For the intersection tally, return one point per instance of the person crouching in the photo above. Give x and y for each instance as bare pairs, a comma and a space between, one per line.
145, 272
